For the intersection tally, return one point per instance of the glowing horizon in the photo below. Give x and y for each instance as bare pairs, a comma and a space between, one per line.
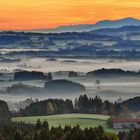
42, 14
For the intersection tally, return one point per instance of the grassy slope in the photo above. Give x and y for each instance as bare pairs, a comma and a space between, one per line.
84, 120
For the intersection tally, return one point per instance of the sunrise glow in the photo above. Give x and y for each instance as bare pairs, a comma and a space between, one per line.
37, 14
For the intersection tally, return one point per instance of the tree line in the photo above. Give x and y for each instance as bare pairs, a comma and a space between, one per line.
83, 104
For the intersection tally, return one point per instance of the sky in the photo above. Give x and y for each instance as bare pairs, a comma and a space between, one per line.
43, 14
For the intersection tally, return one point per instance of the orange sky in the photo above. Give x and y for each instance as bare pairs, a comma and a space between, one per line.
31, 14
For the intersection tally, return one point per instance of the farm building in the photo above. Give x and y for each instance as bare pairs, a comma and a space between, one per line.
119, 123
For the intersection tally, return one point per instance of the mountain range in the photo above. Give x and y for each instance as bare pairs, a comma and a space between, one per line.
89, 27
125, 30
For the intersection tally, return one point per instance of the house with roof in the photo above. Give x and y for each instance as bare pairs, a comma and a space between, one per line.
119, 123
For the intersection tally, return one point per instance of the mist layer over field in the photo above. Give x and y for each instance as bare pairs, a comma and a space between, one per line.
110, 88
61, 64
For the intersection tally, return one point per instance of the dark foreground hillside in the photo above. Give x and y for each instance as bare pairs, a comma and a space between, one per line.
41, 131
5, 114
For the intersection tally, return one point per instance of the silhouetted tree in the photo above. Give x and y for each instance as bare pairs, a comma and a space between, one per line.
18, 136
38, 124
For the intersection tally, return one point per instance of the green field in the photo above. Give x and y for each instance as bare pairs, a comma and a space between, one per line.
84, 120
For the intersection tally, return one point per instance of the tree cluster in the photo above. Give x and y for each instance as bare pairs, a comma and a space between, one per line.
104, 72
96, 106
131, 135
49, 107
73, 74
63, 86
26, 75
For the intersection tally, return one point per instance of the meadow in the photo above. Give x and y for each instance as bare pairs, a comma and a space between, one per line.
83, 120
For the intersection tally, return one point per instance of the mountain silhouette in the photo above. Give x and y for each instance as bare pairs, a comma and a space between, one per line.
88, 27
